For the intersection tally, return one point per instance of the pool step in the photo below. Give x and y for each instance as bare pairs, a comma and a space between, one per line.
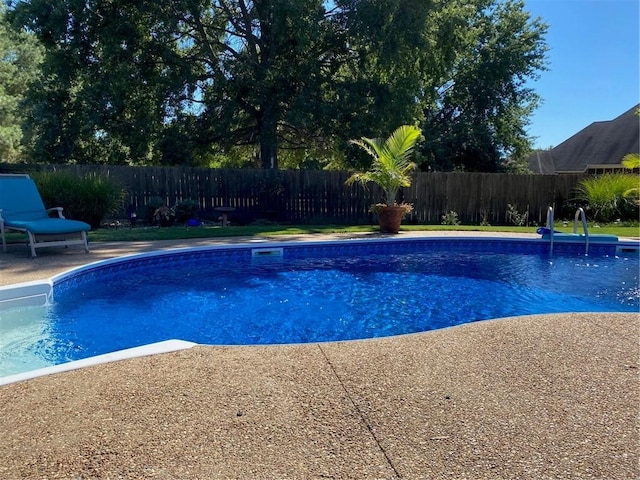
31, 294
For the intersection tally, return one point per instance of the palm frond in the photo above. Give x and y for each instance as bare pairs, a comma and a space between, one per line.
631, 160
391, 167
399, 146
369, 145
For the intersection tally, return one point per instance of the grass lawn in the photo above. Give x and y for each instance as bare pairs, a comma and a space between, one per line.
175, 233
127, 234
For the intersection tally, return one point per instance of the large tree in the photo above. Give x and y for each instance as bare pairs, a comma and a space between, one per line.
110, 78
265, 65
133, 79
20, 57
479, 117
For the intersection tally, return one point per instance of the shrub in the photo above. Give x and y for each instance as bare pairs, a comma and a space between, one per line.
185, 210
88, 198
515, 217
606, 197
450, 218
152, 205
164, 216
485, 218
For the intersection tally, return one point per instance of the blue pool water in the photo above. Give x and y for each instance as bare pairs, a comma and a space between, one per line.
310, 294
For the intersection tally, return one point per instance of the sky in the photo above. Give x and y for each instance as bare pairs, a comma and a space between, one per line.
594, 65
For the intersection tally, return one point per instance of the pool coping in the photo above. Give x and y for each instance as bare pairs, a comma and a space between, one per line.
31, 293
166, 346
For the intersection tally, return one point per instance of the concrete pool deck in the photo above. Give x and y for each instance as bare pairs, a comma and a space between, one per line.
539, 397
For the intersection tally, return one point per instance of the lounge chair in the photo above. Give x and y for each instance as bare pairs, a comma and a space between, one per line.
22, 210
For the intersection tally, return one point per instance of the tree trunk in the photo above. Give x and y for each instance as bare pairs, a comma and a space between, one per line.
268, 137
268, 155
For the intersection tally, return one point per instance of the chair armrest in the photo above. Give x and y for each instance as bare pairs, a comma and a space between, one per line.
58, 210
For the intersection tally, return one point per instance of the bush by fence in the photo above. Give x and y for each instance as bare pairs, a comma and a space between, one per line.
321, 197
90, 198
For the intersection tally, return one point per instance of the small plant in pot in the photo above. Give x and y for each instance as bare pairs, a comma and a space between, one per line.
391, 170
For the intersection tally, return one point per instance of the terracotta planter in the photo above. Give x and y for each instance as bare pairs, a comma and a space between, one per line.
390, 218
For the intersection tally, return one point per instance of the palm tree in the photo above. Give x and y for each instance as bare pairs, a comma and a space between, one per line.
391, 166
390, 170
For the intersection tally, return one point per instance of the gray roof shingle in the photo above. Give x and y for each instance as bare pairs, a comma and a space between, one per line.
600, 144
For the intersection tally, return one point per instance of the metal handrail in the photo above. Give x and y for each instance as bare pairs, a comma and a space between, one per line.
550, 227
580, 215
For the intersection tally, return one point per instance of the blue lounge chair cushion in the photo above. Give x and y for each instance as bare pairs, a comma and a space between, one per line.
49, 226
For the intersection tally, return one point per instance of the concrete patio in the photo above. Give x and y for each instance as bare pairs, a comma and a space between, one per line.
539, 397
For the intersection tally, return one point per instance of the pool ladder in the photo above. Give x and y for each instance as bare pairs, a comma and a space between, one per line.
578, 216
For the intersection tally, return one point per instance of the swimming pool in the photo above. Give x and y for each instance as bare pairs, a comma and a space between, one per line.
313, 292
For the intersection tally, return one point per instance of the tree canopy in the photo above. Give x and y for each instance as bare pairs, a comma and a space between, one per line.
481, 112
279, 82
20, 57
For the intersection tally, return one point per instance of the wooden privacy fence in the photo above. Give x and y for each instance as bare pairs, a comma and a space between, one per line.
321, 197
478, 197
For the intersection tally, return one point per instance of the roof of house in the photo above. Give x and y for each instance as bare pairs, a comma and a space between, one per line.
600, 145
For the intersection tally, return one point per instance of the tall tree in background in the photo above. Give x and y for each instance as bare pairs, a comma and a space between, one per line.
391, 46
176, 82
132, 79
109, 83
20, 57
264, 66
479, 116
